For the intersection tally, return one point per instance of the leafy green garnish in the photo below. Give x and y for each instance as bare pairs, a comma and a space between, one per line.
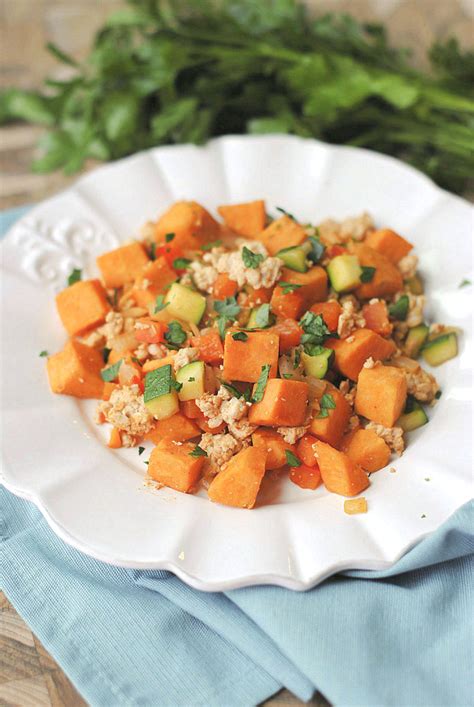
314, 349
291, 459
152, 251
110, 374
198, 452
240, 336
42, 354
317, 249
211, 245
438, 394
261, 383
159, 304
464, 283
169, 237
175, 335
106, 354
181, 263
296, 358
315, 329
140, 451
288, 376
159, 382
399, 309
227, 309
251, 259
137, 361
263, 316
288, 287
232, 389
367, 274
74, 277
326, 403
285, 213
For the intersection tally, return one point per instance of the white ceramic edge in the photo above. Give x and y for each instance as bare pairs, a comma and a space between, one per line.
168, 565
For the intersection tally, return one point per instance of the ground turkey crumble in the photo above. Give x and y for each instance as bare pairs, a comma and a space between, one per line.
184, 356
222, 407
219, 447
127, 412
421, 384
349, 320
292, 434
408, 266
356, 228
393, 436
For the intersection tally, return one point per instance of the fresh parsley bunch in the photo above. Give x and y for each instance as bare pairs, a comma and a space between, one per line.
169, 72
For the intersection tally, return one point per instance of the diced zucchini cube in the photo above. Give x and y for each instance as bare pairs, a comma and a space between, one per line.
185, 304
318, 365
441, 349
294, 258
192, 379
163, 406
344, 272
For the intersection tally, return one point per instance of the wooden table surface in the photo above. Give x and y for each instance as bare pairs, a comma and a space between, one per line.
29, 676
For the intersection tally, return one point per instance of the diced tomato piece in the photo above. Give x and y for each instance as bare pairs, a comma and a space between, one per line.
290, 334
376, 317
190, 409
136, 380
334, 250
305, 450
211, 349
262, 295
154, 333
307, 477
330, 312
224, 287
170, 253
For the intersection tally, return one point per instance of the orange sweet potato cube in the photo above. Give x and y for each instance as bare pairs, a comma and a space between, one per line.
389, 243
191, 224
274, 445
239, 482
330, 429
172, 465
285, 304
282, 233
366, 449
381, 394
82, 306
243, 360
340, 474
123, 264
152, 281
246, 219
387, 279
76, 371
177, 427
313, 284
351, 353
283, 404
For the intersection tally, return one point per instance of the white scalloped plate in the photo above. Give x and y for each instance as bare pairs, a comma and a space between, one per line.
95, 498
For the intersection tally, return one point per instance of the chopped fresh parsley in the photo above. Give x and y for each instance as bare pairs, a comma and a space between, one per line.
152, 251
191, 380
285, 213
296, 358
438, 394
110, 374
211, 245
263, 316
240, 336
465, 283
75, 276
137, 361
159, 382
236, 392
181, 263
314, 349
251, 259
42, 354
169, 237
287, 376
261, 383
227, 309
159, 304
292, 459
288, 287
399, 309
317, 248
326, 403
198, 452
175, 335
106, 354
140, 450
315, 329
367, 274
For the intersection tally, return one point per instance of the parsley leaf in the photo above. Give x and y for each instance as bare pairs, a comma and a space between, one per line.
326, 403
42, 354
251, 259
140, 450
240, 336
198, 452
175, 335
315, 329
291, 459
288, 376
169, 237
367, 274
399, 309
159, 304
228, 309
285, 213
74, 277
263, 316
317, 249
106, 354
288, 287
110, 374
464, 283
181, 263
261, 383
152, 251
159, 382
211, 245
296, 358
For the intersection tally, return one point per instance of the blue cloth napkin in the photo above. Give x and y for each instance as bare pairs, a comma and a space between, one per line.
401, 637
